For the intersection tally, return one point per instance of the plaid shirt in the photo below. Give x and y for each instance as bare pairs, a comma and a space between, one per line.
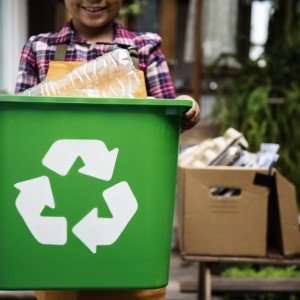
40, 50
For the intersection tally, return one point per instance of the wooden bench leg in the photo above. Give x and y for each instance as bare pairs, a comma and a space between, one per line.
204, 278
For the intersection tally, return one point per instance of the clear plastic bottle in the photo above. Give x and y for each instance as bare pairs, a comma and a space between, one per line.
109, 76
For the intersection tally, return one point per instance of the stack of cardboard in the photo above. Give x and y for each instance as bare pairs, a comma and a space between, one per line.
260, 214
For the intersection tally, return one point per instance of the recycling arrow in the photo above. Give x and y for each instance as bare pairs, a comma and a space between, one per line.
98, 161
34, 196
94, 231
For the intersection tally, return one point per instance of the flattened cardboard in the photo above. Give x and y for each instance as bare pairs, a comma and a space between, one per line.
217, 225
288, 237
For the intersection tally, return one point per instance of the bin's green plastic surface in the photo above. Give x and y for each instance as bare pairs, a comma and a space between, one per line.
42, 136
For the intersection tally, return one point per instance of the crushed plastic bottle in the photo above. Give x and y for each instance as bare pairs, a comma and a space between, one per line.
109, 76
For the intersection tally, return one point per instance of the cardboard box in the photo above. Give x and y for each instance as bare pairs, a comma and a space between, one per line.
284, 227
242, 225
217, 225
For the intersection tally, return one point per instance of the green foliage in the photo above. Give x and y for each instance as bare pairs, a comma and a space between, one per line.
246, 271
132, 7
261, 296
246, 103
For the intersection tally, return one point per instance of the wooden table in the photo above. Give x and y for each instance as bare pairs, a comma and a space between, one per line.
204, 285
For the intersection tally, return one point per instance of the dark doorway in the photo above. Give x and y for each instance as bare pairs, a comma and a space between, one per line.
45, 16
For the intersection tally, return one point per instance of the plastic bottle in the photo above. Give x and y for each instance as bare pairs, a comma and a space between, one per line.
111, 75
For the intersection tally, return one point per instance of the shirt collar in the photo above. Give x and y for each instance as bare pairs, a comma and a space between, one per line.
67, 35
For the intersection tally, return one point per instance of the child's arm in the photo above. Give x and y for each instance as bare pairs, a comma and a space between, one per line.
27, 74
191, 117
160, 85
158, 78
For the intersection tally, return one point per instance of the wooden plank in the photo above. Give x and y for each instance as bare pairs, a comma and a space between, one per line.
168, 28
197, 53
273, 258
204, 282
250, 260
263, 285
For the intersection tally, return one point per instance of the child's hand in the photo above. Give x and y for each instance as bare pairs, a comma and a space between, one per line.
192, 116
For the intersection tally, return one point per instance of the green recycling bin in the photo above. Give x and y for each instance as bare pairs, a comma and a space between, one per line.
87, 191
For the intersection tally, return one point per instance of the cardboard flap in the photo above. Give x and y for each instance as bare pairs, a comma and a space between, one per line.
230, 177
180, 211
288, 215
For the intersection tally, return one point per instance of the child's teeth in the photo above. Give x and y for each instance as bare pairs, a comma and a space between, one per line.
93, 9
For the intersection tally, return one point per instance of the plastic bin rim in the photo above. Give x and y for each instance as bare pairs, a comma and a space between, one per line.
95, 101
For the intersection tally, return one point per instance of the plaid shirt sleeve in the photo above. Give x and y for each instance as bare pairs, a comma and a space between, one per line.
151, 61
158, 78
27, 74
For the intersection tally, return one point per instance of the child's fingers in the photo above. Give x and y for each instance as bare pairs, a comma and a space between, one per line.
193, 112
189, 123
190, 119
192, 116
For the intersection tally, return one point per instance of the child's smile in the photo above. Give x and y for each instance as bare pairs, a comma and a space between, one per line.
93, 11
91, 18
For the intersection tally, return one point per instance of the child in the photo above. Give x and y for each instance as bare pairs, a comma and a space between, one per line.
91, 33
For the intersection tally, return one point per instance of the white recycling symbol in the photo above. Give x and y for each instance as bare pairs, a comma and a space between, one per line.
35, 194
